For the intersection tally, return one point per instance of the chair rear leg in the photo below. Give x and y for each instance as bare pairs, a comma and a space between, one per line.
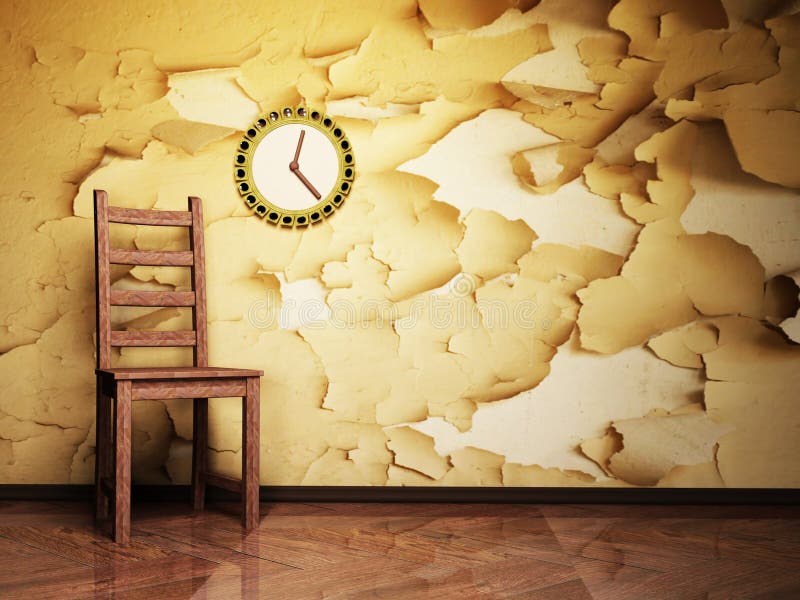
122, 464
199, 452
251, 431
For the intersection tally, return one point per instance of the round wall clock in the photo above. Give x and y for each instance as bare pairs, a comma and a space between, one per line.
294, 167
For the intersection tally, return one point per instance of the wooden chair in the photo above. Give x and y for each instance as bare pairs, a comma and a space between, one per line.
117, 388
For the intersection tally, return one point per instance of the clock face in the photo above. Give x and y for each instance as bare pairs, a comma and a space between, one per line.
294, 167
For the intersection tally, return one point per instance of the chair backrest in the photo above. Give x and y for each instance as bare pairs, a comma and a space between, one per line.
106, 297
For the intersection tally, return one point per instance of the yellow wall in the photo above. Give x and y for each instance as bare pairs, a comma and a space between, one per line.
571, 251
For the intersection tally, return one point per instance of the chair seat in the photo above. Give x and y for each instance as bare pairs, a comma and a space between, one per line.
177, 373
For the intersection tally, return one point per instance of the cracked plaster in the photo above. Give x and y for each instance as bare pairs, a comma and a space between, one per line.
510, 154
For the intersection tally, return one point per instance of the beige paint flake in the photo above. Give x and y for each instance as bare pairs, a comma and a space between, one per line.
601, 449
612, 181
711, 60
547, 168
385, 143
31, 452
281, 75
359, 364
749, 351
156, 181
651, 25
761, 215
334, 27
666, 282
302, 302
329, 241
371, 457
212, 96
397, 63
619, 147
358, 287
57, 387
333, 468
588, 120
400, 476
415, 451
469, 14
190, 135
358, 107
473, 467
559, 76
472, 175
754, 386
741, 12
779, 92
705, 475
765, 143
670, 276
516, 475
94, 82
547, 424
684, 346
414, 235
653, 445
762, 451
492, 244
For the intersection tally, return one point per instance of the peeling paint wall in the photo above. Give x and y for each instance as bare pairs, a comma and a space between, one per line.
570, 256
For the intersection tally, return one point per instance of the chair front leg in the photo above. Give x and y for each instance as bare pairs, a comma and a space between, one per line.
122, 464
101, 449
251, 431
199, 452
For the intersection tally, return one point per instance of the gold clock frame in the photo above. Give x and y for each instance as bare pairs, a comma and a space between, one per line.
268, 209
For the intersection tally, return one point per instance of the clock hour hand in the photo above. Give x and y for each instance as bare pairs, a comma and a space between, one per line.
294, 164
306, 182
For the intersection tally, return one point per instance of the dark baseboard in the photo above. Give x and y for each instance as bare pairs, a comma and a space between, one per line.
513, 495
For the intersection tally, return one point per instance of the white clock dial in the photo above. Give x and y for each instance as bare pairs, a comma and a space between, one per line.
317, 162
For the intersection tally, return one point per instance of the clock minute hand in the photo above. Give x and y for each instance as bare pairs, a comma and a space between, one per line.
294, 164
306, 182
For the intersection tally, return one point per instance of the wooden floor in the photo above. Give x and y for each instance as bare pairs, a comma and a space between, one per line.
397, 551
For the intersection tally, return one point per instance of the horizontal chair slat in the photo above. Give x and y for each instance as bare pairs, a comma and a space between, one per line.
147, 298
138, 216
153, 338
223, 481
188, 388
156, 258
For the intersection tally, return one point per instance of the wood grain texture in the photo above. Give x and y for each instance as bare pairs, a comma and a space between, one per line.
102, 448
405, 551
190, 388
178, 372
251, 434
156, 258
139, 216
122, 464
152, 338
102, 279
148, 298
224, 482
199, 316
199, 452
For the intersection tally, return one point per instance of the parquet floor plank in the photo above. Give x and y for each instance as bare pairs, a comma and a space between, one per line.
53, 550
